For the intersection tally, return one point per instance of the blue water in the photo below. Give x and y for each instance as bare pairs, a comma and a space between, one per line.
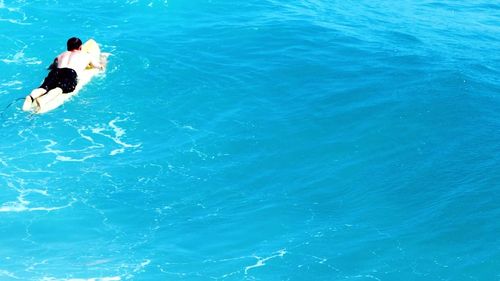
254, 140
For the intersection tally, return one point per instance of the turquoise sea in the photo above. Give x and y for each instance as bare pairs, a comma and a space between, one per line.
254, 140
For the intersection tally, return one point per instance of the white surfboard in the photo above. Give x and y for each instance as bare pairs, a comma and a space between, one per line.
52, 101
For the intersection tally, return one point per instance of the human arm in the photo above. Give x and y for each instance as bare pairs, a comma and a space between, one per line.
95, 63
53, 65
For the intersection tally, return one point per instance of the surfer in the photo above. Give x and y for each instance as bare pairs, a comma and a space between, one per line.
63, 75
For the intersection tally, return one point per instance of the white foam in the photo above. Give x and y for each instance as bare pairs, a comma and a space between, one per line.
116, 137
5, 272
138, 268
12, 83
98, 262
63, 158
19, 58
70, 159
142, 265
16, 207
187, 127
366, 276
90, 139
22, 205
262, 261
17, 11
113, 278
15, 22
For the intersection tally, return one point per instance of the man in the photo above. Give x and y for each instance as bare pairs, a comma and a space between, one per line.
63, 75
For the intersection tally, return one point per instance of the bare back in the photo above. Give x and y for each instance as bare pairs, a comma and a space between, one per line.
76, 60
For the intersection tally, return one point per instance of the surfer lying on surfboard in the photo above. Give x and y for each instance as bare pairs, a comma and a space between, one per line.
64, 72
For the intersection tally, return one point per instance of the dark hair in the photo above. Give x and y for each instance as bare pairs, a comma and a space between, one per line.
73, 43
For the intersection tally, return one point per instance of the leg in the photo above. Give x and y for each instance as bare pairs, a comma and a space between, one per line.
36, 93
52, 94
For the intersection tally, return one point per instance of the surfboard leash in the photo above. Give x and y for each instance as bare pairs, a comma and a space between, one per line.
9, 105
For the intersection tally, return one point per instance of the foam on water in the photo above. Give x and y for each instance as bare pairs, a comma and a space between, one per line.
114, 278
257, 140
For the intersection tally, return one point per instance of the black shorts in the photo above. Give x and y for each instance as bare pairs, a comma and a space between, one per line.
64, 78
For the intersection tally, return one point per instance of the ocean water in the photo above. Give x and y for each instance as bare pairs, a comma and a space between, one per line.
254, 140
